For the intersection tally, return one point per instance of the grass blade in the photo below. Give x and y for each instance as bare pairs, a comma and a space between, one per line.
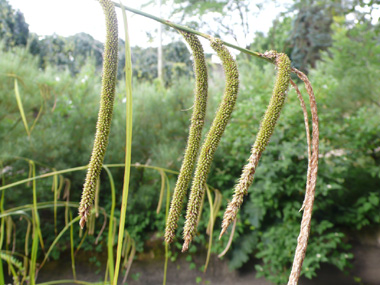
57, 239
55, 190
166, 218
36, 228
33, 257
110, 240
128, 83
37, 118
229, 240
21, 108
211, 222
72, 247
2, 281
71, 282
96, 203
26, 249
161, 191
129, 263
216, 207
28, 207
1, 273
84, 167
13, 264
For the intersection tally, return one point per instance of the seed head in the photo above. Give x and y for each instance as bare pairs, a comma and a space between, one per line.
105, 111
195, 134
262, 139
212, 140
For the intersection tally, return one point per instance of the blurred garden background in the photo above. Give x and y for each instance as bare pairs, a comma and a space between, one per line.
49, 97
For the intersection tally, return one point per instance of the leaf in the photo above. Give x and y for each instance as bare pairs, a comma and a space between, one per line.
128, 142
373, 199
244, 246
21, 108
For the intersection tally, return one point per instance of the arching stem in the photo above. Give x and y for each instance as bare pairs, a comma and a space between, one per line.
187, 29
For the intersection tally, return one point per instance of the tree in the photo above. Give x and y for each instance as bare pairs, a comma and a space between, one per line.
51, 50
220, 18
311, 31
176, 62
14, 30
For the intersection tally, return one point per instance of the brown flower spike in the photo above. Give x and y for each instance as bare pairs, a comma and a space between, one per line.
308, 204
105, 111
195, 135
212, 140
262, 139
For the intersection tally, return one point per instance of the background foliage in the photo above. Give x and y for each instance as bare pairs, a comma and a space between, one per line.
59, 83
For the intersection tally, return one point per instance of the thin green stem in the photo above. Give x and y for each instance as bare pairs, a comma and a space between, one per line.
2, 226
43, 176
57, 239
72, 247
1, 273
29, 207
84, 167
71, 282
110, 262
212, 214
21, 108
166, 218
36, 228
187, 29
55, 189
128, 146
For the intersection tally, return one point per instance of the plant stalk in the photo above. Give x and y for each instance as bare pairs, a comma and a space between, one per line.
187, 29
128, 147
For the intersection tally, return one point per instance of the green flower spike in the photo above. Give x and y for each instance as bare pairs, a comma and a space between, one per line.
265, 132
105, 111
212, 140
195, 134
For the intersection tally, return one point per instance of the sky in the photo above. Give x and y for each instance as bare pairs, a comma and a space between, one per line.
66, 18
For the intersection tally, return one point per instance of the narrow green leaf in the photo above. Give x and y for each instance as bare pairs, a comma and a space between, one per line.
37, 118
36, 228
21, 108
166, 218
161, 191
211, 221
110, 262
2, 225
84, 167
71, 282
55, 190
2, 280
57, 239
72, 247
128, 142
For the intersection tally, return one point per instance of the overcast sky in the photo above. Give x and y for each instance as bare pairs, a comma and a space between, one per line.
65, 18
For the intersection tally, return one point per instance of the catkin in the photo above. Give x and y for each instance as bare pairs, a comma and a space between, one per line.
262, 139
212, 140
195, 134
105, 112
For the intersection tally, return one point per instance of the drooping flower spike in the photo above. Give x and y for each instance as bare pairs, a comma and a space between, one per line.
212, 140
267, 126
105, 112
195, 134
